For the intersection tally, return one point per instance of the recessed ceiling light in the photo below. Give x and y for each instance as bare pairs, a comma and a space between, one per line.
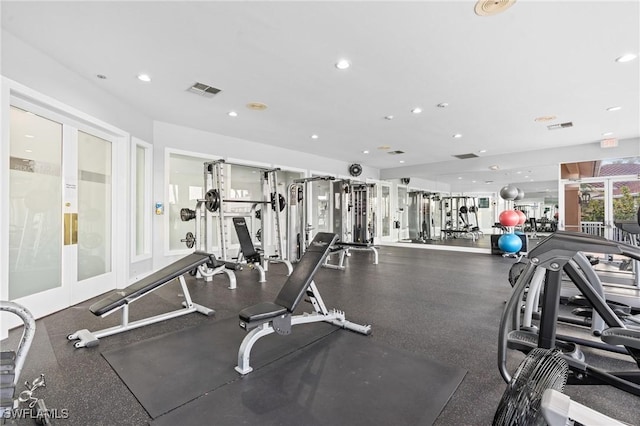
482, 151
492, 7
457, 136
494, 167
314, 136
256, 106
365, 151
29, 136
607, 133
473, 181
343, 64
544, 118
526, 177
28, 150
459, 177
232, 114
388, 117
627, 57
614, 108
518, 172
402, 161
144, 77
101, 76
442, 105
416, 110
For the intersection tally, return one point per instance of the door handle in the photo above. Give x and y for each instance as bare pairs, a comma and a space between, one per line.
70, 229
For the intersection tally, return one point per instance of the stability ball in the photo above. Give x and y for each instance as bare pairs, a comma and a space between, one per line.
522, 217
508, 218
509, 243
509, 192
520, 195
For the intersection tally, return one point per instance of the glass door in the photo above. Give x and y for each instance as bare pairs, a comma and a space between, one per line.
625, 199
60, 211
600, 206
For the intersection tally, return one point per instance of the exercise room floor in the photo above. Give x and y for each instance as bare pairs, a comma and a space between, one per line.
438, 305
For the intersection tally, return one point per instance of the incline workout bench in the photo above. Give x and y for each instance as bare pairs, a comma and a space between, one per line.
121, 299
343, 249
248, 251
269, 317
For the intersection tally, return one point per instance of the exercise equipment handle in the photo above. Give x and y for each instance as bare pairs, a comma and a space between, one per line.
28, 333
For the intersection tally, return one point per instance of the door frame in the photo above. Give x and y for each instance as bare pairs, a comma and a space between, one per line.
607, 181
41, 304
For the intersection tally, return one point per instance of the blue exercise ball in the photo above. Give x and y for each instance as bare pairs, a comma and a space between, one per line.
509, 243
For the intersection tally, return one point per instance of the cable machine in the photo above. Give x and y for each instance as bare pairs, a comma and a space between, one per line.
299, 229
363, 212
422, 215
459, 217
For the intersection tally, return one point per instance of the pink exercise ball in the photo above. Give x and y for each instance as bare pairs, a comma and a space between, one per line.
508, 218
522, 217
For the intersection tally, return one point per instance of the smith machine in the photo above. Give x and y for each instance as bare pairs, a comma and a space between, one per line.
213, 213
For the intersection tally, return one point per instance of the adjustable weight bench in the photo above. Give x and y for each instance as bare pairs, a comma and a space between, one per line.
343, 249
121, 299
269, 317
248, 252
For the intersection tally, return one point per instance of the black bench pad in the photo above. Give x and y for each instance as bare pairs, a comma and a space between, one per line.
262, 311
249, 251
293, 290
147, 284
342, 244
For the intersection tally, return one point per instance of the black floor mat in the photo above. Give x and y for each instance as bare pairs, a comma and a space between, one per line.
342, 379
167, 371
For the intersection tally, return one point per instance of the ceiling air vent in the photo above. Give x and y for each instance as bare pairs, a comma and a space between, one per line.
204, 90
395, 152
465, 156
560, 126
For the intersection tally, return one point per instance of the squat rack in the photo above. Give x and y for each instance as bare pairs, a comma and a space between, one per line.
216, 201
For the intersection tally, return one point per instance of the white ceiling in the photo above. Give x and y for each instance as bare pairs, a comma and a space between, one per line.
497, 73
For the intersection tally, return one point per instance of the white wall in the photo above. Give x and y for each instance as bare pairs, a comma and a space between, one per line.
38, 71
172, 136
418, 184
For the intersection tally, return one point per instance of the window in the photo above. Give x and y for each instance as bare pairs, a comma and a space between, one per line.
141, 166
185, 185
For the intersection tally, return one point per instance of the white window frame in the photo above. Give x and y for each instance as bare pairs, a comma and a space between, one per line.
147, 203
167, 170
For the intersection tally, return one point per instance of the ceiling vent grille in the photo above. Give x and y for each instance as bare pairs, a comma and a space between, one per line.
204, 90
395, 152
560, 126
465, 156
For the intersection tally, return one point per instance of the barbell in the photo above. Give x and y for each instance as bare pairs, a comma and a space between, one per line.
212, 201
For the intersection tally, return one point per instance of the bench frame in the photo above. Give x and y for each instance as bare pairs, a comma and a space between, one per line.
344, 249
266, 318
86, 338
320, 314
